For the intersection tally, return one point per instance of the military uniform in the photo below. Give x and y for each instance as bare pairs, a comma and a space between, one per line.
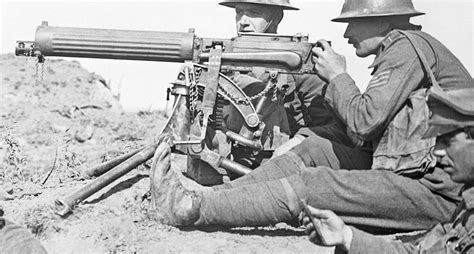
18, 240
457, 236
304, 103
403, 190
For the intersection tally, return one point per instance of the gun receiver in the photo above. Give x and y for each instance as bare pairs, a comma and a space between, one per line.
201, 91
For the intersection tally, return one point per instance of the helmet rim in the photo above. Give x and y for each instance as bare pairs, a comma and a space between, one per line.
284, 6
347, 18
353, 9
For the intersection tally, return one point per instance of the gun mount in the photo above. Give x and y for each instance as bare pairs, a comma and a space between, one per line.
201, 91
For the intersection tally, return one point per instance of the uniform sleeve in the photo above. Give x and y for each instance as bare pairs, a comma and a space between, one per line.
367, 114
315, 110
364, 243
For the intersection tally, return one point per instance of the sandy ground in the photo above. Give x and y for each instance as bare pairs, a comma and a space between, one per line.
56, 121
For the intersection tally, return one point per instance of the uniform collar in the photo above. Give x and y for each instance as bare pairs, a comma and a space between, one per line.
468, 197
389, 39
385, 42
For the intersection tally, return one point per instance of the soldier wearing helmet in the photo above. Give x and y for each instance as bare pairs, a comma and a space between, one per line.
452, 122
258, 16
404, 189
306, 112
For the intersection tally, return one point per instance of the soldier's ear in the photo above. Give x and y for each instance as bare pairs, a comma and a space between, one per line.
384, 26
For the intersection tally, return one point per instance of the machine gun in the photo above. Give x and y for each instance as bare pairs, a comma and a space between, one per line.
202, 91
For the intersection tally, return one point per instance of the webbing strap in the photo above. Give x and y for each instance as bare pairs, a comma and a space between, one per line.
210, 91
422, 57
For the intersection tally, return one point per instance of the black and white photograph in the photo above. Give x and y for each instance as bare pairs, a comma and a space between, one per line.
236, 126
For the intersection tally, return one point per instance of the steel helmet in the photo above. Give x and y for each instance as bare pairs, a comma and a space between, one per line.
285, 4
376, 8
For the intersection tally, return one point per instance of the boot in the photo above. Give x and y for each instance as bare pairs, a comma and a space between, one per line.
175, 200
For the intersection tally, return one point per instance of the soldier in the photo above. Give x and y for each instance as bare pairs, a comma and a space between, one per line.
452, 121
303, 96
405, 189
17, 240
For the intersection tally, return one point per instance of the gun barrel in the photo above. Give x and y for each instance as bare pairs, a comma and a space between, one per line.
112, 44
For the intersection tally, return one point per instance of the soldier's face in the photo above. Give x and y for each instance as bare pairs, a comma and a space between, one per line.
366, 35
455, 154
253, 17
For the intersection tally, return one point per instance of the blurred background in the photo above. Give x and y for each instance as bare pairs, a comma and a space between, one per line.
142, 85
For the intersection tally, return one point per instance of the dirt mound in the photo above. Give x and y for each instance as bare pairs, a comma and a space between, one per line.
57, 120
58, 114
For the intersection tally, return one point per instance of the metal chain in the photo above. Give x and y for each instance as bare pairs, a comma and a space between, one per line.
42, 70
244, 101
37, 66
36, 72
193, 90
275, 95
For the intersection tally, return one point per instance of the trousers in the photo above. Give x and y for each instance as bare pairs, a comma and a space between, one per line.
330, 175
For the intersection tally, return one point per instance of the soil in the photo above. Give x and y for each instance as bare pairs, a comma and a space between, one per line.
58, 120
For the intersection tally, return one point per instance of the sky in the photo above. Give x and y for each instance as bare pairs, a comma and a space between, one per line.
142, 85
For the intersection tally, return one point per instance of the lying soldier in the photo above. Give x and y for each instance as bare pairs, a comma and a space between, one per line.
453, 122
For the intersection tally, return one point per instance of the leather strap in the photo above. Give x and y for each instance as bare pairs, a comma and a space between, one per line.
422, 57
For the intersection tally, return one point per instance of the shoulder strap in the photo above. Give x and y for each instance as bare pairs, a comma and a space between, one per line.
422, 57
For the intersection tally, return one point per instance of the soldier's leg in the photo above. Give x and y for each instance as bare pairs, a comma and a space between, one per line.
317, 151
177, 201
265, 203
373, 199
274, 169
334, 131
377, 200
313, 151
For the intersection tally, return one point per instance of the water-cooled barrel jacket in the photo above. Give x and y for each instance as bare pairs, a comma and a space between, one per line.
456, 236
392, 113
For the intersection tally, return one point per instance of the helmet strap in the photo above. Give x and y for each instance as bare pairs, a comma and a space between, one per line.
268, 25
272, 20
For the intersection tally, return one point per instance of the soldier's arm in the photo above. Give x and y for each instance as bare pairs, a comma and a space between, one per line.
363, 242
325, 228
315, 111
367, 114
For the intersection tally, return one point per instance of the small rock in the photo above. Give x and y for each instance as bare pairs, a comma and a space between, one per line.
4, 196
59, 128
8, 187
85, 135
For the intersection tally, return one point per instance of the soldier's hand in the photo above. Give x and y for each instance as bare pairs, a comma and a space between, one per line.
327, 63
327, 229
